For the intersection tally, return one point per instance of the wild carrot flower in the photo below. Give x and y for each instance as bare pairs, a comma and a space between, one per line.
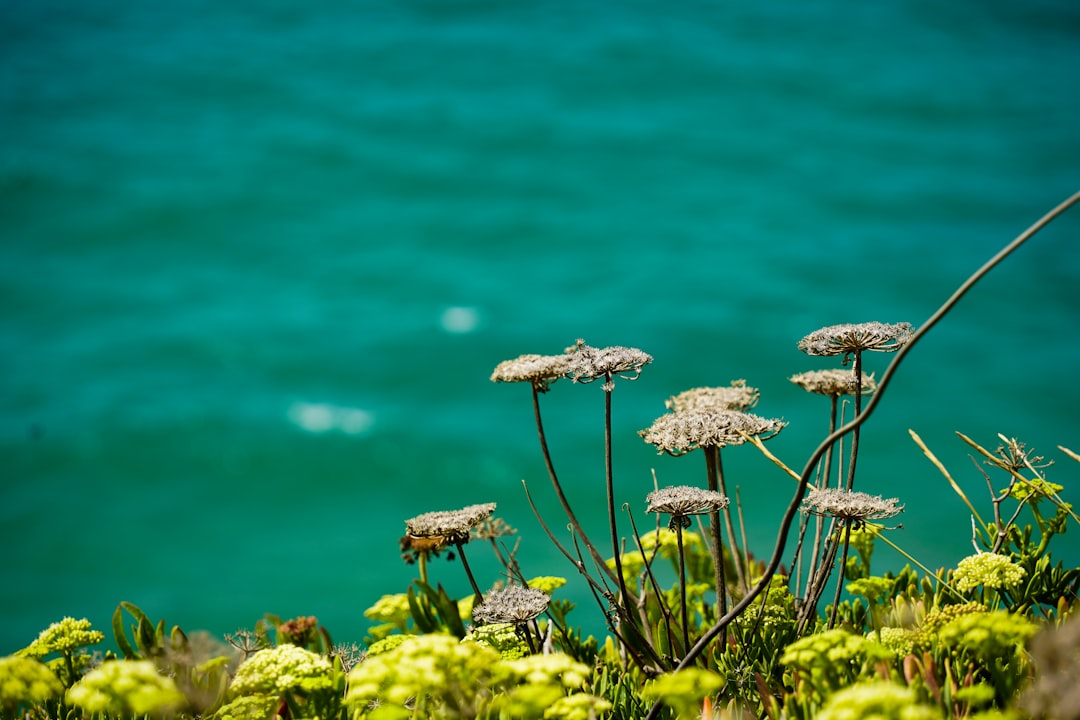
547, 583
283, 669
126, 687
65, 636
683, 501
25, 680
450, 527
512, 604
553, 669
833, 382
737, 396
684, 690
390, 609
588, 363
878, 699
437, 675
850, 506
849, 339
539, 370
678, 433
987, 569
988, 635
578, 706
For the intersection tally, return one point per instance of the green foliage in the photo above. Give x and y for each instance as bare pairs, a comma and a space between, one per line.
433, 610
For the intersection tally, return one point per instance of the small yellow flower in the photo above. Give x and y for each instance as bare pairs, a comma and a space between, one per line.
987, 569
124, 687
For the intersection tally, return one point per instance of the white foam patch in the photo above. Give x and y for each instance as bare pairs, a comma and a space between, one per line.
323, 418
460, 319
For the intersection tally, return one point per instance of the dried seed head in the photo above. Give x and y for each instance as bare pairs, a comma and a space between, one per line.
684, 500
588, 363
736, 397
540, 370
449, 526
850, 505
833, 382
847, 338
512, 604
680, 432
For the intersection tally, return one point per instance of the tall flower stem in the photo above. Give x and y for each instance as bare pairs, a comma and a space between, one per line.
574, 524
834, 401
857, 391
711, 459
468, 571
846, 529
736, 554
609, 478
677, 522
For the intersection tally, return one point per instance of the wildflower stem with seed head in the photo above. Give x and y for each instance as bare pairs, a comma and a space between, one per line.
816, 455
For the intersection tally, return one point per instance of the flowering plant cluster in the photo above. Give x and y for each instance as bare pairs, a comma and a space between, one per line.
698, 625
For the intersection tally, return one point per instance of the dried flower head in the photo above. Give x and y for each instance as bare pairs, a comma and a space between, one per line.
850, 505
540, 370
683, 500
588, 363
680, 432
737, 396
847, 339
513, 604
448, 526
833, 382
492, 528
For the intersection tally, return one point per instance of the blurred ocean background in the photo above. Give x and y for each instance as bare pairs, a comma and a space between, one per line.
258, 262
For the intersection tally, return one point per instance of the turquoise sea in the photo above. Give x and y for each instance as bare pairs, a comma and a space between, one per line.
258, 261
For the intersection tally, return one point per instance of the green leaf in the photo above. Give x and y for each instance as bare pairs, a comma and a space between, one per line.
420, 615
121, 635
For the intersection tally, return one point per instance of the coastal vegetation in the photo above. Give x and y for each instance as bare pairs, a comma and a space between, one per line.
698, 624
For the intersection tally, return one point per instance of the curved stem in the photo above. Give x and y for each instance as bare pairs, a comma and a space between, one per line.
815, 456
